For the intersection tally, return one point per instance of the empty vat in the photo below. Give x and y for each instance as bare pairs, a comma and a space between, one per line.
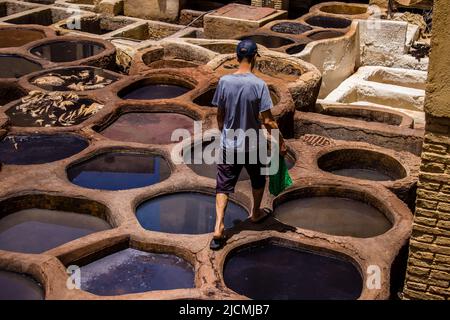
290, 27
149, 89
38, 230
8, 8
344, 9
133, 271
16, 286
98, 25
269, 41
149, 31
119, 171
186, 213
67, 51
327, 34
43, 17
335, 215
13, 66
74, 79
269, 271
37, 149
362, 164
149, 128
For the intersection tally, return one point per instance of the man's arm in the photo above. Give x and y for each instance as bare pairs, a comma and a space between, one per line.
220, 117
269, 123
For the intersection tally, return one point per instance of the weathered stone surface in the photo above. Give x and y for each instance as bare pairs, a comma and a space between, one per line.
167, 10
110, 7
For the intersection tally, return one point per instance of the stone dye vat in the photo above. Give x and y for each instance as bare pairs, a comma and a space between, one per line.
38, 149
18, 37
328, 22
327, 34
133, 271
290, 27
44, 17
38, 230
74, 79
14, 66
186, 213
193, 157
333, 215
269, 41
67, 51
149, 89
149, 128
54, 109
98, 25
119, 171
362, 164
275, 272
16, 286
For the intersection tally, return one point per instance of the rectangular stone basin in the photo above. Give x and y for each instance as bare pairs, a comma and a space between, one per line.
150, 30
43, 17
8, 8
100, 25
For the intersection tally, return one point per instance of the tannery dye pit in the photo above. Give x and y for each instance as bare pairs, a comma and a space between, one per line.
294, 274
66, 51
185, 213
15, 286
18, 37
38, 149
148, 90
39, 230
333, 215
13, 66
119, 171
133, 271
149, 128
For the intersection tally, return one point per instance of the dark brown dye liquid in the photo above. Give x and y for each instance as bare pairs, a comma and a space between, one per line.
291, 27
37, 149
71, 77
19, 118
321, 35
153, 91
329, 22
16, 286
14, 66
150, 128
365, 174
195, 155
274, 272
65, 51
39, 230
269, 41
296, 49
119, 171
133, 271
18, 37
333, 215
10, 92
186, 213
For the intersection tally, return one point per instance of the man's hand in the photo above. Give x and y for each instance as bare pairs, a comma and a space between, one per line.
283, 148
270, 124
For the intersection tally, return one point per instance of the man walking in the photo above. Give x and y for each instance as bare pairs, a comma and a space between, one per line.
242, 99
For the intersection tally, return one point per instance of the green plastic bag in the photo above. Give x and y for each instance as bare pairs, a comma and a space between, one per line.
281, 180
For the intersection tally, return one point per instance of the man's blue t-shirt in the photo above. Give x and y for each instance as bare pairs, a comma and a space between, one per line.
242, 97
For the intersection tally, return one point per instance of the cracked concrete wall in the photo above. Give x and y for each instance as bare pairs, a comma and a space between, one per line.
428, 273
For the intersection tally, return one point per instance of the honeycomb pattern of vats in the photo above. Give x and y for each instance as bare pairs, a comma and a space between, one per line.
47, 186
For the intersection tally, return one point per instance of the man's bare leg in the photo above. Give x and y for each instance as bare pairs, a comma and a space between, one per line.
221, 206
257, 213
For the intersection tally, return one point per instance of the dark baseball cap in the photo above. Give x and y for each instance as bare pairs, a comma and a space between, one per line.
247, 48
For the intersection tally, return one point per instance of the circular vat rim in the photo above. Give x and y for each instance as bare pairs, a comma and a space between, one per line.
270, 26
102, 59
61, 129
32, 132
26, 80
361, 15
138, 64
46, 31
381, 199
31, 270
235, 199
336, 252
288, 39
93, 253
169, 76
158, 151
122, 108
304, 19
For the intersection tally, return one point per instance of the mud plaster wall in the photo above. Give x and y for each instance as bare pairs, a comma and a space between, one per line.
428, 273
